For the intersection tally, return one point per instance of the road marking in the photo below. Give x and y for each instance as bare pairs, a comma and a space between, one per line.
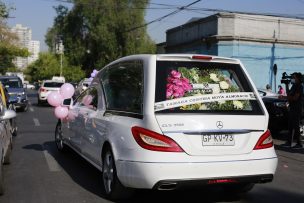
51, 162
31, 109
36, 121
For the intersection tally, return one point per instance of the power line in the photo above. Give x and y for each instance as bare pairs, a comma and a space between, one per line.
163, 17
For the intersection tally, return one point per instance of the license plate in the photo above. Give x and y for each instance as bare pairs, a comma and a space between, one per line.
218, 140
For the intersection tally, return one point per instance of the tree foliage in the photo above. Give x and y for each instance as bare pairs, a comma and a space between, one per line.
96, 32
48, 65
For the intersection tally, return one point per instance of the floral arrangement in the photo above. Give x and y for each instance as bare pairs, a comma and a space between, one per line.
177, 85
184, 82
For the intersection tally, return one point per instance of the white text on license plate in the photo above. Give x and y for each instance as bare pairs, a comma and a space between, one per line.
218, 140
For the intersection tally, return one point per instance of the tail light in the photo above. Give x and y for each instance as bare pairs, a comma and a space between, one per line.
42, 89
150, 140
201, 57
265, 141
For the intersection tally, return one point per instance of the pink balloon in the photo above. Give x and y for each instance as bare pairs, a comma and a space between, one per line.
54, 99
61, 112
67, 90
87, 100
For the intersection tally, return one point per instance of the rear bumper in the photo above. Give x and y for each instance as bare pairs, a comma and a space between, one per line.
151, 175
181, 184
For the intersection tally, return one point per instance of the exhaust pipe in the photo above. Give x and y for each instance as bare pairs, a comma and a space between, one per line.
167, 186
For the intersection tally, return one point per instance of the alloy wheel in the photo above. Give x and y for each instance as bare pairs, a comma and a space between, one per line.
108, 172
58, 137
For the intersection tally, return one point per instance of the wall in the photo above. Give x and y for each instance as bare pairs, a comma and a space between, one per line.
259, 59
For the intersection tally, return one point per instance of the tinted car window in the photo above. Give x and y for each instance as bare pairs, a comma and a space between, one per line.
12, 82
123, 86
203, 87
53, 84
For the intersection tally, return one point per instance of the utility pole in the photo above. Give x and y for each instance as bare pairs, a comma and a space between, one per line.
60, 50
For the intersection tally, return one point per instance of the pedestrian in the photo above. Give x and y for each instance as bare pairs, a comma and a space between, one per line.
281, 90
268, 88
295, 99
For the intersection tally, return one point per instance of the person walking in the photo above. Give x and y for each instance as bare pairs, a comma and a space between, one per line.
295, 99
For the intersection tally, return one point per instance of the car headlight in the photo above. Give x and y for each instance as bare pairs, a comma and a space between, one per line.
280, 104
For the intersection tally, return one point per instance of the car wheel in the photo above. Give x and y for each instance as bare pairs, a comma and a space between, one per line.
1, 179
112, 186
58, 137
24, 109
7, 157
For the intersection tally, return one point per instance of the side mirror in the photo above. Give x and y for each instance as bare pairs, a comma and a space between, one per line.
8, 114
67, 102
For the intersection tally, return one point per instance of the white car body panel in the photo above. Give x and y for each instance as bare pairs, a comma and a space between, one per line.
141, 168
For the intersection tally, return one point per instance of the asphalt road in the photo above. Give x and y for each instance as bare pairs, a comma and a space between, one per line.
38, 173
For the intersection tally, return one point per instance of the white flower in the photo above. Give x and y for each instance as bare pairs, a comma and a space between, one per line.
221, 102
213, 77
203, 107
224, 85
238, 104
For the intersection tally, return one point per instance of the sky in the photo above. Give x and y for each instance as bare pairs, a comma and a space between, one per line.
39, 14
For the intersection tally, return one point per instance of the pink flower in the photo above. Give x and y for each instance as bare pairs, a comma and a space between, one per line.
175, 74
169, 93
170, 86
184, 80
177, 86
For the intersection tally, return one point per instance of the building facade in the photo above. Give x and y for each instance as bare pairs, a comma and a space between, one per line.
24, 35
259, 41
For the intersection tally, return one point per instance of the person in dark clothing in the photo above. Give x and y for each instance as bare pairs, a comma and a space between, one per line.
295, 99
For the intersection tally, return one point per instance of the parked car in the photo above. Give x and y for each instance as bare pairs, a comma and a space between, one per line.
267, 93
166, 122
17, 94
5, 100
46, 88
30, 86
5, 139
278, 114
82, 85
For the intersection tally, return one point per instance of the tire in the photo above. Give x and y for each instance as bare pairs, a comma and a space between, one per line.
7, 157
58, 138
39, 102
113, 188
24, 109
1, 179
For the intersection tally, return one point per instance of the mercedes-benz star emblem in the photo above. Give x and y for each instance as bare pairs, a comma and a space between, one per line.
219, 124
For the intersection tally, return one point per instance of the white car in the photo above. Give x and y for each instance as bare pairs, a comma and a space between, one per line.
166, 122
46, 88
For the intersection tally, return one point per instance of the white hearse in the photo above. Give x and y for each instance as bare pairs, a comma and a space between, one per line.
166, 122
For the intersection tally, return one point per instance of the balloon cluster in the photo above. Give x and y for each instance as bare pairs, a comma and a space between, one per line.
56, 98
93, 74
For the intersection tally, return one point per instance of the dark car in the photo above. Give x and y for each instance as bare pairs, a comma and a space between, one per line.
278, 114
17, 94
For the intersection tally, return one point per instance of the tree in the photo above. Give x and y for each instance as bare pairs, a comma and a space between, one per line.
48, 65
95, 33
8, 43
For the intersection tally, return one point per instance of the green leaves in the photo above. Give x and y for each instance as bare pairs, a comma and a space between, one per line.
95, 33
48, 65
